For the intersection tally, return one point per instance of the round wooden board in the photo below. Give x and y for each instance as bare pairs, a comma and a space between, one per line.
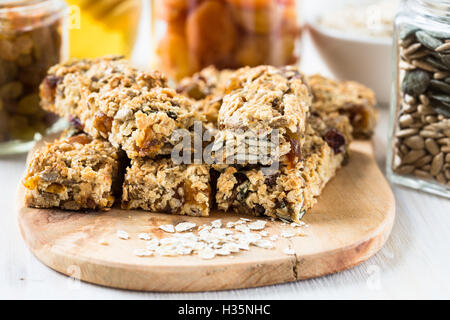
350, 223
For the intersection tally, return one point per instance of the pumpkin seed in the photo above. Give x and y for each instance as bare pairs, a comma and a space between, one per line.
445, 58
415, 82
442, 109
439, 35
406, 31
440, 85
440, 97
436, 63
427, 40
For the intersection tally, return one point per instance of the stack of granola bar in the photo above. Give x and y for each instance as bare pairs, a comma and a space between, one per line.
277, 138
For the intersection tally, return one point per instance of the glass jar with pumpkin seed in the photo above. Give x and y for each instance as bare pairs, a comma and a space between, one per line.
32, 38
419, 150
189, 35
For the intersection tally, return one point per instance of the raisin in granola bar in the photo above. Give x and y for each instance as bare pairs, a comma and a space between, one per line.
159, 185
348, 98
73, 173
107, 98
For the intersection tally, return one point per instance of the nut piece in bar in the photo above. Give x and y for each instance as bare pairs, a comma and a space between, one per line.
265, 100
74, 173
107, 98
161, 186
348, 98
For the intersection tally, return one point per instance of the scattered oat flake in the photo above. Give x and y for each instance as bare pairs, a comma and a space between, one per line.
257, 225
185, 226
217, 223
242, 228
262, 243
289, 251
263, 233
245, 219
206, 254
152, 244
273, 237
222, 252
143, 252
287, 234
230, 224
167, 228
300, 224
123, 235
144, 236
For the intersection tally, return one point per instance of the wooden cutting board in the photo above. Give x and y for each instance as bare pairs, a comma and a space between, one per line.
350, 223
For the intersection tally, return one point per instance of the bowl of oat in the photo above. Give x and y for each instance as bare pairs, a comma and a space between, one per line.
355, 41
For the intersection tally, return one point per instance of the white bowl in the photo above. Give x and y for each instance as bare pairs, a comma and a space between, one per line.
365, 59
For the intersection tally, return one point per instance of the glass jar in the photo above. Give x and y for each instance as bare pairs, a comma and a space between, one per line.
189, 35
31, 40
103, 27
419, 144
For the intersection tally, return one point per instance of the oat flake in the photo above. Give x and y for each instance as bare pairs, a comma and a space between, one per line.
123, 235
144, 236
185, 226
167, 228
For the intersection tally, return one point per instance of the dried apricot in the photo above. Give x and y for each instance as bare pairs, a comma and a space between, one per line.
261, 21
175, 57
253, 50
211, 33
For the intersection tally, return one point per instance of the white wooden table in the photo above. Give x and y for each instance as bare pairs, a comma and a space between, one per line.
414, 263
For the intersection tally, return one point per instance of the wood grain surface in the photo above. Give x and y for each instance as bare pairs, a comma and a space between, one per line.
350, 223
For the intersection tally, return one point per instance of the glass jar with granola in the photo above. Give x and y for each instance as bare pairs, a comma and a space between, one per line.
189, 35
419, 153
31, 40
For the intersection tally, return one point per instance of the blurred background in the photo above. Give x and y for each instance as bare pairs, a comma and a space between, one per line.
344, 39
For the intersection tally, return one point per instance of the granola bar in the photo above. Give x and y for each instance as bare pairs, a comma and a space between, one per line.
107, 98
289, 192
163, 186
348, 98
263, 101
73, 173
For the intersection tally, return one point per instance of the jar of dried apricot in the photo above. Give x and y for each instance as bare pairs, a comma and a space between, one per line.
189, 35
31, 40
